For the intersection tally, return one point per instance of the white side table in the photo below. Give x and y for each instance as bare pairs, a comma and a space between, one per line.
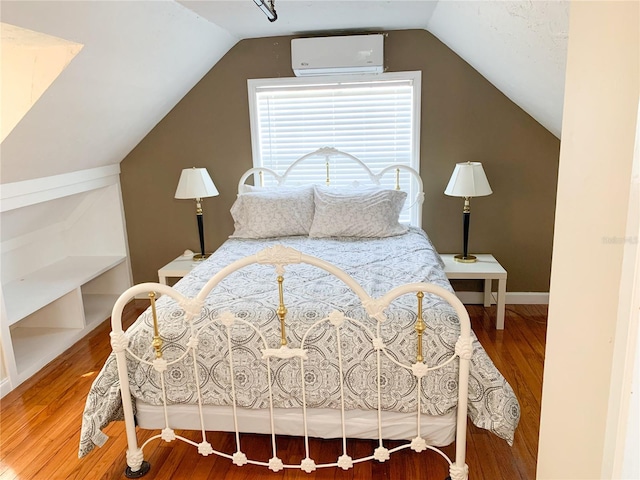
485, 268
177, 268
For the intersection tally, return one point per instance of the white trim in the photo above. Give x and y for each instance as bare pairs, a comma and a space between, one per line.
626, 340
29, 192
5, 387
600, 102
512, 298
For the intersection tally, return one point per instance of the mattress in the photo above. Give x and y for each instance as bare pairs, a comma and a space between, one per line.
378, 265
321, 422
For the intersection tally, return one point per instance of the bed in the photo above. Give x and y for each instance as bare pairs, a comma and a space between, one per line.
307, 322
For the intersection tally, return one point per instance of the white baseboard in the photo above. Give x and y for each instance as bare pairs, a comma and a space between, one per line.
513, 298
527, 298
5, 387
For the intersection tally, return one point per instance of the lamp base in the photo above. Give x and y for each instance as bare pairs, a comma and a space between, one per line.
199, 257
465, 259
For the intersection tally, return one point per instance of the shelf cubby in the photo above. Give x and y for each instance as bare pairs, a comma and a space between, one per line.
61, 275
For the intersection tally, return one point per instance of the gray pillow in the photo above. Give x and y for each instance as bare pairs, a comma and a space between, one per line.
360, 212
273, 213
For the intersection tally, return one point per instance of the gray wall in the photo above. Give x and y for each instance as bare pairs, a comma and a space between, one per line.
463, 118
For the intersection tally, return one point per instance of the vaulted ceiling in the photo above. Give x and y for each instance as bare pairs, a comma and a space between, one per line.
139, 58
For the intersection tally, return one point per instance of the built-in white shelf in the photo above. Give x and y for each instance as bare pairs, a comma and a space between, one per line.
97, 307
64, 264
31, 292
35, 347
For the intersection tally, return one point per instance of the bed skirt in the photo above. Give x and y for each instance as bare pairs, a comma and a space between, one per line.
438, 430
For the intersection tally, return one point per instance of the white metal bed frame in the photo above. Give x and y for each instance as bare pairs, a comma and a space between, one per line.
329, 153
280, 256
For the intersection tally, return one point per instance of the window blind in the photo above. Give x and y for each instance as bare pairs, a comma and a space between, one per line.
374, 120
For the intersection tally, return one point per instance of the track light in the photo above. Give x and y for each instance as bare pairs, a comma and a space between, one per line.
267, 6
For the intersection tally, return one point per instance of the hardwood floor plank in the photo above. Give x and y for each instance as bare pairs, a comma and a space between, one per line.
40, 422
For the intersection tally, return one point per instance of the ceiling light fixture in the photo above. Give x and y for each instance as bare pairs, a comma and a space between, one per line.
269, 9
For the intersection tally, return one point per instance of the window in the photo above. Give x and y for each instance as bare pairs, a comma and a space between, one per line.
375, 118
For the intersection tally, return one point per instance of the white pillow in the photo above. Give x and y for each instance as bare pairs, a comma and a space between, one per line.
357, 213
273, 213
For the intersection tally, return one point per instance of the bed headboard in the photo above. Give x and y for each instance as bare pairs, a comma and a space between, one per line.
330, 166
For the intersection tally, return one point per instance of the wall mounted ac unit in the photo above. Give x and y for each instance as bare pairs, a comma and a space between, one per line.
354, 54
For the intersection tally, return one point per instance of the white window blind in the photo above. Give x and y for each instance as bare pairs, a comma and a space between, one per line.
374, 119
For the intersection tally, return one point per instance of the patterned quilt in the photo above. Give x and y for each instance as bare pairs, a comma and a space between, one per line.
310, 294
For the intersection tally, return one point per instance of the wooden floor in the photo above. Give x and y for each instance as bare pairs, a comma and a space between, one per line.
40, 422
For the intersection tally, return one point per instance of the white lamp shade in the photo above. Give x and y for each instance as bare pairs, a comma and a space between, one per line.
195, 183
468, 180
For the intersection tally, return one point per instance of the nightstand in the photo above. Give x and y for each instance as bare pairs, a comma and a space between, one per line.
486, 268
177, 268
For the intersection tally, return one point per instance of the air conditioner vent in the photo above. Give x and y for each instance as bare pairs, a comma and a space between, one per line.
354, 54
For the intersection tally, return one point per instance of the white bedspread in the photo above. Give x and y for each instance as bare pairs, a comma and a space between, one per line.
310, 294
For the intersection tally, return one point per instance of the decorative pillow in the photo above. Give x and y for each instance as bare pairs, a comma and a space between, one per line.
357, 213
273, 213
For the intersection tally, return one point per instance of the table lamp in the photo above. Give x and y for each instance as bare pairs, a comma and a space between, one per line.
195, 183
467, 180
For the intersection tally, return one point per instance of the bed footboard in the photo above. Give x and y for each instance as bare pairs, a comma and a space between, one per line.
280, 257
